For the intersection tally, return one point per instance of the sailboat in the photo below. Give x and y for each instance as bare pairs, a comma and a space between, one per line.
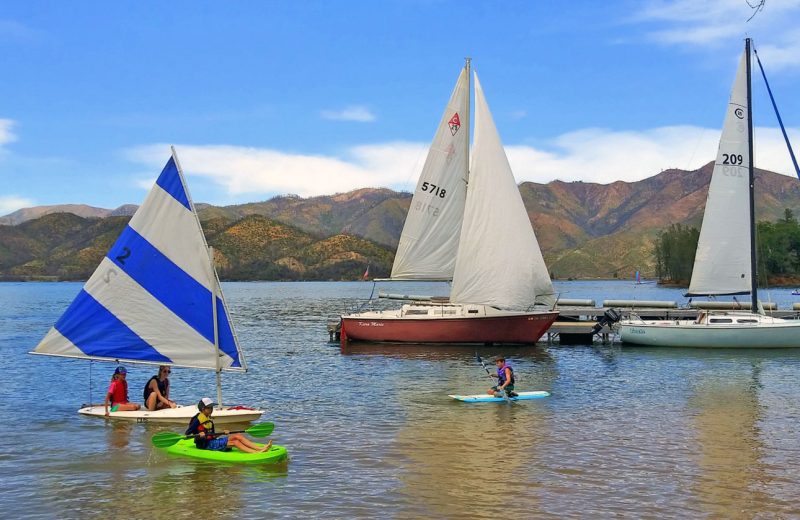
155, 299
725, 262
467, 225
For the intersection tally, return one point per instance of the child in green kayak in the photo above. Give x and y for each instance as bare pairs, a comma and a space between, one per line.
206, 438
505, 379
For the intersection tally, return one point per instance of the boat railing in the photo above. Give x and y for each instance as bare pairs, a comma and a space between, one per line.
731, 306
633, 304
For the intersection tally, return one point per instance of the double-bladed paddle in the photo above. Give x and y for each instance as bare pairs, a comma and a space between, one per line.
166, 439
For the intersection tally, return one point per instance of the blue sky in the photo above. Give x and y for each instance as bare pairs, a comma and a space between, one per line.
319, 97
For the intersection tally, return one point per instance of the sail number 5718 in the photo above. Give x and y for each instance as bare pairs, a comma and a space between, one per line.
433, 189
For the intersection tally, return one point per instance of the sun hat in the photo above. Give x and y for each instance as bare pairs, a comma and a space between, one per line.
206, 401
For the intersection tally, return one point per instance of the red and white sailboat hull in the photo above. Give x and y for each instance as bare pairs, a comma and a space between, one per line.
486, 325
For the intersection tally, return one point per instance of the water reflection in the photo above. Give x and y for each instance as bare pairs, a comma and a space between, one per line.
465, 460
726, 414
119, 433
448, 351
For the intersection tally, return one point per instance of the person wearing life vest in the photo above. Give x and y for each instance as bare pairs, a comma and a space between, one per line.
117, 395
156, 391
505, 379
206, 437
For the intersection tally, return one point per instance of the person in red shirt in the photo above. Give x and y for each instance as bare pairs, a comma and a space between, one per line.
117, 395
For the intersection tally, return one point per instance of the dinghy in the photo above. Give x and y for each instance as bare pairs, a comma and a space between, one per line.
155, 299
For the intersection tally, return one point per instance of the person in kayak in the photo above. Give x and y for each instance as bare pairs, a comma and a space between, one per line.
117, 396
156, 391
206, 438
505, 379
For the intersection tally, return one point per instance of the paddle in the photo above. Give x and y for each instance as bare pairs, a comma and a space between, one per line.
484, 366
166, 439
505, 396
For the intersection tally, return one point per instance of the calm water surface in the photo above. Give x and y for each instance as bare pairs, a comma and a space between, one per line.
628, 432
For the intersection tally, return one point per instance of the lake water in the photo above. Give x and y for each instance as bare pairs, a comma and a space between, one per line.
628, 432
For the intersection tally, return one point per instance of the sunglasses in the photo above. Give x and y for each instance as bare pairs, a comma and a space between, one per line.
167, 371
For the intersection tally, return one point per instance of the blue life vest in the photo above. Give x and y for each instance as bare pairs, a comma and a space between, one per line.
501, 374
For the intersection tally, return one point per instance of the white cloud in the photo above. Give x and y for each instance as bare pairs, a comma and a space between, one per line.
253, 171
589, 155
360, 114
605, 156
11, 203
14, 31
708, 22
785, 55
6, 135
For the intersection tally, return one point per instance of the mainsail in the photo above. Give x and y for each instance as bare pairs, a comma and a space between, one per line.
150, 299
499, 262
722, 262
429, 240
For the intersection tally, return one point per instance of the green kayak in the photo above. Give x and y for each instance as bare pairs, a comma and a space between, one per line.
186, 448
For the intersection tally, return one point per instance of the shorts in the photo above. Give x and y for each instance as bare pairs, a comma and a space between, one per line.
507, 389
218, 444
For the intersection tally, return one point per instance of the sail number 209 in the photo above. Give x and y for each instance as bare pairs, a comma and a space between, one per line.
732, 158
434, 189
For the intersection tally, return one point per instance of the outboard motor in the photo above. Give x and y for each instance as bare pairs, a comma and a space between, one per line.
608, 318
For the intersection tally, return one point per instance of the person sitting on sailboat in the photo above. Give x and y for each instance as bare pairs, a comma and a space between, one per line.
206, 438
156, 391
117, 396
505, 378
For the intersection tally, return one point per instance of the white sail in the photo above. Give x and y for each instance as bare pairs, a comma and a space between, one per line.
150, 299
429, 240
722, 261
499, 262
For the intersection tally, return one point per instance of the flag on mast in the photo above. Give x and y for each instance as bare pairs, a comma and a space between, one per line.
365, 276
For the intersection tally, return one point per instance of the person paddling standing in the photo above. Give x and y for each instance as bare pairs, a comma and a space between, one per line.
206, 437
117, 395
505, 378
156, 391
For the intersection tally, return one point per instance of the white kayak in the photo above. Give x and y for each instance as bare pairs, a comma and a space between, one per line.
486, 398
180, 414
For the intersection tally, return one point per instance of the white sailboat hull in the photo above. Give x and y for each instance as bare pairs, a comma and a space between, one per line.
724, 330
180, 414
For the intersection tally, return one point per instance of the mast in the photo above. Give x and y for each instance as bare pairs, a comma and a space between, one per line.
751, 177
216, 330
468, 66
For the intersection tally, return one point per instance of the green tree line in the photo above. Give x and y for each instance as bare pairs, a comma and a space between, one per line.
778, 249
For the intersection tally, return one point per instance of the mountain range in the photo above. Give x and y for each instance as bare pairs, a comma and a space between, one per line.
585, 230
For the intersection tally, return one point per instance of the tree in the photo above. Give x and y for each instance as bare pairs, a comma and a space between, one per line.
674, 252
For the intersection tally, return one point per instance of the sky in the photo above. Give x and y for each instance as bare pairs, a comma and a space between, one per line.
309, 97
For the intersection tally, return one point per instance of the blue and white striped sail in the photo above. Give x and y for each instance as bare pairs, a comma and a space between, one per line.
150, 299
